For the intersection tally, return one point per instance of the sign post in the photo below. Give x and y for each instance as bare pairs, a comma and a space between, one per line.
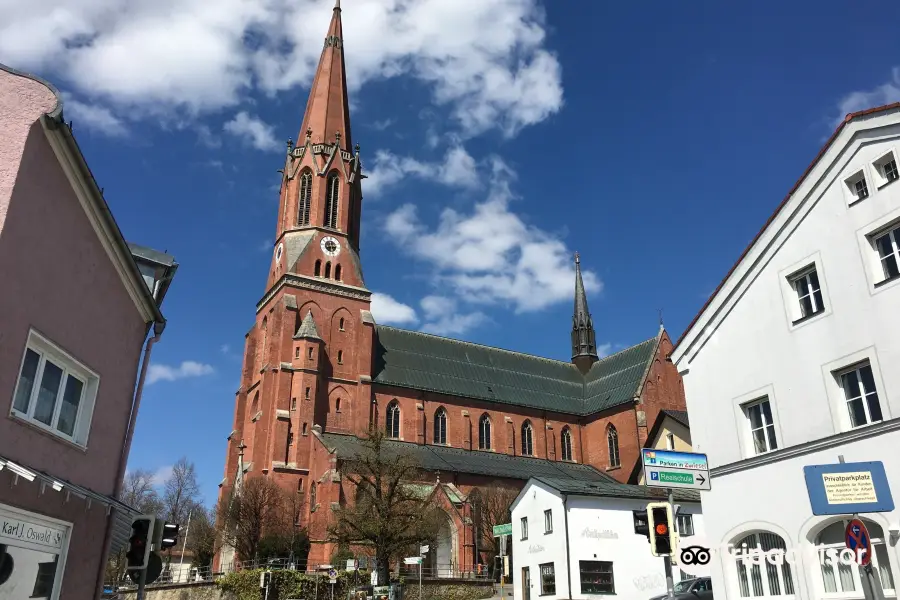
501, 531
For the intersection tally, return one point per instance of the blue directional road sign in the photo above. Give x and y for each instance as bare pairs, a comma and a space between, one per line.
848, 488
857, 538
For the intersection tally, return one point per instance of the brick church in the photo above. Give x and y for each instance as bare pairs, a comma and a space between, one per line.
318, 370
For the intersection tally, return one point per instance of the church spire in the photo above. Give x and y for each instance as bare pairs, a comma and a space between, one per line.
584, 343
328, 110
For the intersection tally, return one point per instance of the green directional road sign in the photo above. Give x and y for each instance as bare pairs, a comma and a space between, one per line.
505, 529
673, 469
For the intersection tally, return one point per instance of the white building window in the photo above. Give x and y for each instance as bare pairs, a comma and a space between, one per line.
809, 292
761, 425
762, 580
548, 521
843, 581
524, 525
684, 525
858, 384
887, 244
857, 187
548, 580
54, 391
886, 169
670, 441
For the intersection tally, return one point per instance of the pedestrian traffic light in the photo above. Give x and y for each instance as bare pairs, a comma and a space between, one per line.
663, 538
139, 542
641, 526
169, 535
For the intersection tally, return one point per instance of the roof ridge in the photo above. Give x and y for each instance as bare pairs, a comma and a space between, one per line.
516, 352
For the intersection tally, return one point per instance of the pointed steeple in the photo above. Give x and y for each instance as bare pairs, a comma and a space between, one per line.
584, 342
328, 110
307, 329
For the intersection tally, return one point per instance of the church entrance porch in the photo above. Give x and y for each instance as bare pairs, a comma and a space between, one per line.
441, 560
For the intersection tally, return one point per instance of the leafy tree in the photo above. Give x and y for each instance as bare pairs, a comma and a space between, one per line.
201, 536
387, 515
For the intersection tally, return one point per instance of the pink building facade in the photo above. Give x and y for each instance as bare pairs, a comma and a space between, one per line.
79, 313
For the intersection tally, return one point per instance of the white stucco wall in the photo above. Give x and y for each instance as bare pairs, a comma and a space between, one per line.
745, 346
637, 574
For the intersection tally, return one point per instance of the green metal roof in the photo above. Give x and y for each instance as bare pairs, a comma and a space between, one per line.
421, 361
476, 462
613, 489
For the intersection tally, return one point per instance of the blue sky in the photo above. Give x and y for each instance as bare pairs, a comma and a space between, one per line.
499, 137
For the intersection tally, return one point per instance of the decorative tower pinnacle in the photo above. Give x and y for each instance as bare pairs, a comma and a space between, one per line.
584, 342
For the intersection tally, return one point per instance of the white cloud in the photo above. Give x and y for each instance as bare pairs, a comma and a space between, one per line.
886, 93
442, 317
253, 131
165, 56
94, 117
162, 475
225, 348
387, 310
604, 350
188, 368
457, 168
490, 255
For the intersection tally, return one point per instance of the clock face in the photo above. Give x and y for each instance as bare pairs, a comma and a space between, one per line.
330, 246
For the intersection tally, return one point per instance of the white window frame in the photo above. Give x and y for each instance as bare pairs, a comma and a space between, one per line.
670, 441
548, 521
765, 570
790, 296
523, 525
62, 552
767, 428
850, 192
682, 519
857, 592
863, 394
71, 367
866, 236
878, 165
831, 372
741, 419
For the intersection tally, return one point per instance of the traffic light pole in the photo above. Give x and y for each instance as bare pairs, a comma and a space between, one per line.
670, 582
141, 583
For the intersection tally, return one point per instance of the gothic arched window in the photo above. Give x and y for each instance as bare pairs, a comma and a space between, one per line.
332, 190
337, 272
393, 420
527, 439
318, 270
328, 270
341, 324
337, 405
612, 441
440, 426
565, 441
312, 496
484, 432
305, 197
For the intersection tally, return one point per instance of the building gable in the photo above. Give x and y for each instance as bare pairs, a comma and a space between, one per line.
856, 130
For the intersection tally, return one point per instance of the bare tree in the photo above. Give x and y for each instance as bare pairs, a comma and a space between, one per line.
491, 506
201, 536
181, 492
259, 506
387, 514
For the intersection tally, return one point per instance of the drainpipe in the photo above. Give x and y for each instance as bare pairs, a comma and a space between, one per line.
158, 328
568, 558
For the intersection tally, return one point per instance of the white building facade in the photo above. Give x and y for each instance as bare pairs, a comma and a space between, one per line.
579, 536
793, 362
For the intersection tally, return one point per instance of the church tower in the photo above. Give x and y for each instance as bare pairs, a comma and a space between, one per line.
308, 357
584, 342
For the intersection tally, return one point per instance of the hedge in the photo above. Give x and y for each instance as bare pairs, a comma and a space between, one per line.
244, 585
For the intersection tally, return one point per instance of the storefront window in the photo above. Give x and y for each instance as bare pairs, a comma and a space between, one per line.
32, 551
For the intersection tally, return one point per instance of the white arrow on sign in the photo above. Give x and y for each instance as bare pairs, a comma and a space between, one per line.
423, 549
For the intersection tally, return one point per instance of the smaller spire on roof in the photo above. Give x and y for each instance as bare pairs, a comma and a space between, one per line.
584, 344
307, 329
337, 4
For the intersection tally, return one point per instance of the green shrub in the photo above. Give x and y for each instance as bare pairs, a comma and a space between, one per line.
244, 585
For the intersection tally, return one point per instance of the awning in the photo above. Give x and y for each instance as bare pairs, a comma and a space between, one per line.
122, 513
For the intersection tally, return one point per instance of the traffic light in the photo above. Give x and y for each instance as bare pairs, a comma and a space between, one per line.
169, 536
663, 538
641, 525
139, 542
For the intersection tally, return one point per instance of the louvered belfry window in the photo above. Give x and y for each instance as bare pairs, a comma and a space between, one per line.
332, 188
305, 197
